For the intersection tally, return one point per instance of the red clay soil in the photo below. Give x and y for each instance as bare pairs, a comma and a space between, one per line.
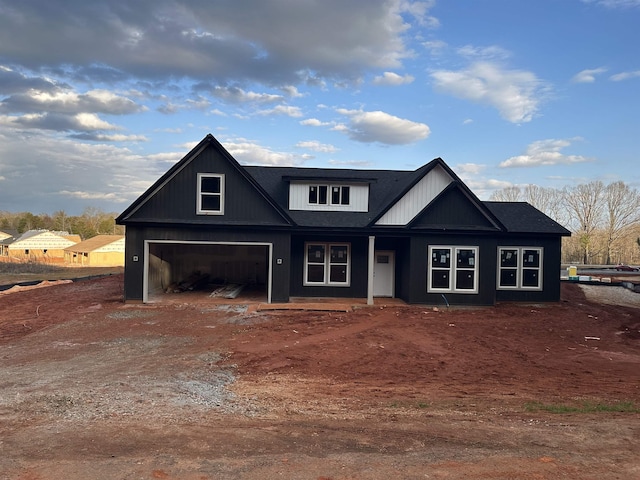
91, 387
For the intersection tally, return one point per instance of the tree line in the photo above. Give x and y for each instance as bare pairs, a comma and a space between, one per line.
604, 220
90, 223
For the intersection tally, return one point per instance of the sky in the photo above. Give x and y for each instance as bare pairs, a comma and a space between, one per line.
99, 98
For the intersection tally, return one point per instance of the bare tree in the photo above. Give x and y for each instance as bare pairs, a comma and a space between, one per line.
585, 206
622, 210
547, 200
508, 194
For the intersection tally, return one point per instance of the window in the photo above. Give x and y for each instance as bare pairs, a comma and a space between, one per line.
452, 269
332, 195
520, 268
210, 194
327, 264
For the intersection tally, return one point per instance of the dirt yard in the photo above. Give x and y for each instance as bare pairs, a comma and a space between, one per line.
92, 388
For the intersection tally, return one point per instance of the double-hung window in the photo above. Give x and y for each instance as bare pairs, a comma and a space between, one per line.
452, 269
210, 194
327, 264
520, 268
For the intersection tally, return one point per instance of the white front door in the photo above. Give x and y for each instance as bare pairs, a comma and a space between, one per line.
384, 274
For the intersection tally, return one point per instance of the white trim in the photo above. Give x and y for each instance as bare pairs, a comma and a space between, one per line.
200, 194
327, 265
371, 266
519, 268
453, 269
145, 276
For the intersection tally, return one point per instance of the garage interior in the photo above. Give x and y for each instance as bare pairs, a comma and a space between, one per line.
212, 269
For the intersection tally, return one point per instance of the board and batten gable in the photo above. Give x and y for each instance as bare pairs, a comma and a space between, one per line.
453, 210
358, 197
418, 196
175, 198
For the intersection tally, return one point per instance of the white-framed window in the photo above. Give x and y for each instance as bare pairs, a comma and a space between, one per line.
327, 264
210, 194
329, 195
520, 268
452, 269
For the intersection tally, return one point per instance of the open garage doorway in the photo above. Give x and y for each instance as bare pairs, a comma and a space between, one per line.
216, 269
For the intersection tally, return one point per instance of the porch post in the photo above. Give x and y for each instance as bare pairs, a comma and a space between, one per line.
372, 249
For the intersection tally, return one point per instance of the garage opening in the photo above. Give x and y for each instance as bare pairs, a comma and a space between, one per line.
212, 269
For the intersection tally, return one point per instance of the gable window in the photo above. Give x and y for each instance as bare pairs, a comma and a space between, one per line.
452, 269
520, 268
327, 264
210, 194
329, 194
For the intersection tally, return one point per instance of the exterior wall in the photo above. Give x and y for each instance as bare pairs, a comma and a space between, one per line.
95, 258
136, 236
358, 196
416, 292
358, 267
550, 270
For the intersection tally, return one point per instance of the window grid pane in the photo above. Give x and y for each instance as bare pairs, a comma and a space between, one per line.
327, 264
520, 268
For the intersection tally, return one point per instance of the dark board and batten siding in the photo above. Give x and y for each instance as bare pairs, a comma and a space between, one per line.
176, 201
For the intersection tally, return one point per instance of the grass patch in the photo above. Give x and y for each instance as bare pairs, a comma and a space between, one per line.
585, 407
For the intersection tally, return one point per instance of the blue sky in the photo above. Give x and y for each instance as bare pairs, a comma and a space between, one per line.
98, 99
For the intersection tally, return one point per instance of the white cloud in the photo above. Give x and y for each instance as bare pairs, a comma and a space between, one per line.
238, 95
314, 122
545, 153
393, 79
350, 163
515, 93
466, 169
267, 42
69, 102
92, 196
615, 3
491, 52
382, 127
91, 174
317, 146
282, 110
618, 77
588, 75
251, 153
435, 47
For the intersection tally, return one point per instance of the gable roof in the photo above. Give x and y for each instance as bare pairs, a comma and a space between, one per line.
521, 217
207, 141
95, 243
388, 190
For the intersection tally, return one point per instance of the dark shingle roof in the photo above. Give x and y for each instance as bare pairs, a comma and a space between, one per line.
521, 217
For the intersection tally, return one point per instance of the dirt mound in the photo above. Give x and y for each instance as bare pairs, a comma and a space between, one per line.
91, 387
